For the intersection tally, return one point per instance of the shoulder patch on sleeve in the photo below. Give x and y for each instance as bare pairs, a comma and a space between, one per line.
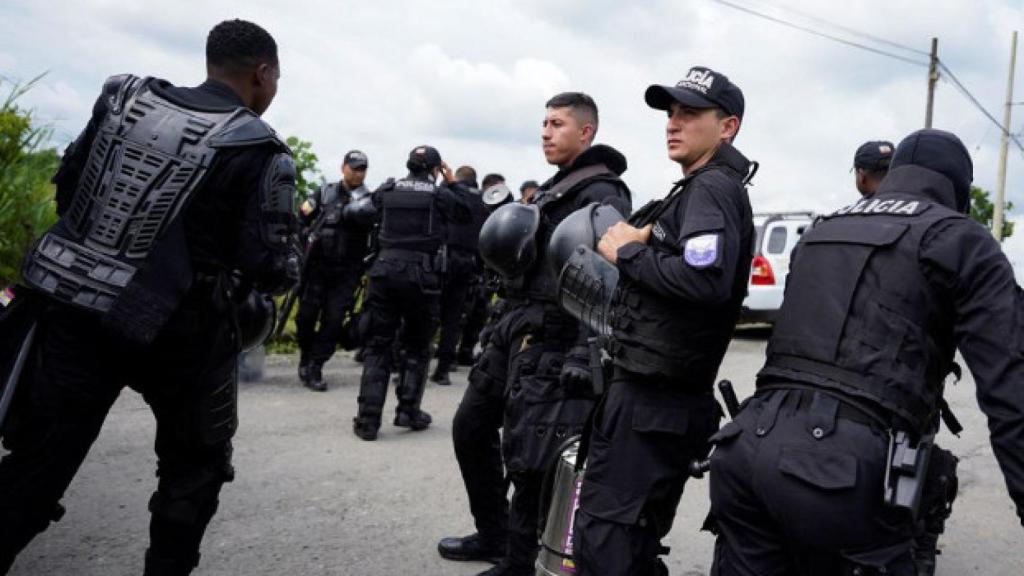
307, 207
701, 251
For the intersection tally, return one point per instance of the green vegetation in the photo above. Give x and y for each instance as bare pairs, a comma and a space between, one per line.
27, 208
982, 209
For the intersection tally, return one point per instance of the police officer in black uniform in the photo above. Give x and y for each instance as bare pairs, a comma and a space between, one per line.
405, 287
462, 276
535, 357
340, 242
879, 297
871, 164
682, 279
166, 193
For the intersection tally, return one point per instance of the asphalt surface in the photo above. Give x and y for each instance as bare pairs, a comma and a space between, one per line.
311, 498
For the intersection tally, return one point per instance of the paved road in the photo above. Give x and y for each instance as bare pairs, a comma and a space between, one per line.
311, 499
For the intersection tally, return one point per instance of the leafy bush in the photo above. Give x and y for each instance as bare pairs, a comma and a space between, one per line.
27, 208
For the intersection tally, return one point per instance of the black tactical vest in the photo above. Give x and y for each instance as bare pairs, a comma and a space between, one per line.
148, 158
339, 240
669, 340
860, 317
556, 203
410, 218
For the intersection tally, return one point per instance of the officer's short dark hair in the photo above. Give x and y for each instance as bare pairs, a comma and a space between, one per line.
238, 44
581, 106
465, 173
491, 180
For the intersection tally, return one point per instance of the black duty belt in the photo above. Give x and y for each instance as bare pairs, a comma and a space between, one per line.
849, 408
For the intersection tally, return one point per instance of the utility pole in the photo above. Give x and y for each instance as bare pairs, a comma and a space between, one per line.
997, 214
933, 77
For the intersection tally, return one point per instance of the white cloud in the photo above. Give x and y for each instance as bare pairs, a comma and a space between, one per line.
471, 77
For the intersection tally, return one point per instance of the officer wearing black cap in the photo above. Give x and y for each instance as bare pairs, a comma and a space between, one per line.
463, 278
835, 443
338, 244
682, 279
405, 287
871, 164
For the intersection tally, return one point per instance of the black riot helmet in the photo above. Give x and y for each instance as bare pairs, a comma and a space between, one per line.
508, 239
940, 152
583, 227
256, 316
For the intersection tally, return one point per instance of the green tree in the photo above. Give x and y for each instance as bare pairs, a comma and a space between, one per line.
27, 208
308, 176
982, 210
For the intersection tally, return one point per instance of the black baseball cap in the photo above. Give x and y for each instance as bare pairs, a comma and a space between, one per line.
874, 156
425, 156
356, 159
701, 88
528, 184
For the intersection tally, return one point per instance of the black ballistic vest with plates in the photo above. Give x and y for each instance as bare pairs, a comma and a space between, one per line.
860, 317
148, 158
410, 218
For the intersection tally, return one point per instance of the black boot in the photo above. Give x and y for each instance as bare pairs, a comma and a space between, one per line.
365, 428
410, 394
315, 381
472, 548
416, 420
440, 375
303, 370
168, 566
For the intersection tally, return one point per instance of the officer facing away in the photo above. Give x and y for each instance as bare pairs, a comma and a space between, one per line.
405, 287
166, 192
871, 164
682, 280
821, 472
334, 267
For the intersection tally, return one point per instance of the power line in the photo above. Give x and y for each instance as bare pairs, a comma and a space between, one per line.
853, 31
821, 34
963, 90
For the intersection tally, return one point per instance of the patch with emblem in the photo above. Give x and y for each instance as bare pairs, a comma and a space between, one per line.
307, 207
6, 297
701, 251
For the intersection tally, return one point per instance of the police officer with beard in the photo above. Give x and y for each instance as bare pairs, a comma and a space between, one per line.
536, 356
464, 274
166, 193
823, 470
405, 287
340, 240
682, 280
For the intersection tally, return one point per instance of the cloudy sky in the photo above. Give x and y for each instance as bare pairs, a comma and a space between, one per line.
471, 77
